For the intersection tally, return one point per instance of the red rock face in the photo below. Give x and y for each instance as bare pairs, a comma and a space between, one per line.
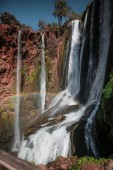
8, 55
109, 165
8, 52
8, 65
31, 64
91, 167
67, 163
60, 164
31, 53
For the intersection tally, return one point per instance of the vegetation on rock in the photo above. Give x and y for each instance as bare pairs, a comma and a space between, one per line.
7, 18
88, 160
106, 104
104, 120
41, 24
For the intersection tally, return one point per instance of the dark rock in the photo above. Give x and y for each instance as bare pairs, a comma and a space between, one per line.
62, 163
109, 165
44, 119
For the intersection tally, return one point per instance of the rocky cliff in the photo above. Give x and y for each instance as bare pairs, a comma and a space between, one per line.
30, 72
55, 46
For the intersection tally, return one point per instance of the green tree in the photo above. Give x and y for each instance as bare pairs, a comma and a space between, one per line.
61, 10
41, 24
73, 15
7, 18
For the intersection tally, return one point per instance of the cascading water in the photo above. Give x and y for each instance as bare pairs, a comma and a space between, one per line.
95, 95
49, 142
97, 66
16, 144
43, 77
85, 78
74, 63
52, 141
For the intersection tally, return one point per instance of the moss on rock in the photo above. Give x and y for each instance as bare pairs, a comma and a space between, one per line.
104, 119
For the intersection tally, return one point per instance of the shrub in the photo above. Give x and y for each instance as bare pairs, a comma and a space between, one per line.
88, 160
107, 99
7, 18
41, 24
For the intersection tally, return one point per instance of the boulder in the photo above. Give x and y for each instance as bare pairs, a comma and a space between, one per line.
109, 165
42, 167
91, 167
62, 163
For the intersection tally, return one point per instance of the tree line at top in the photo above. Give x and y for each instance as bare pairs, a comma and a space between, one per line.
61, 11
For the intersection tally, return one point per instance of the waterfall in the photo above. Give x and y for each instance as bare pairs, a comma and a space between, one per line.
73, 70
97, 65
87, 61
16, 144
95, 95
52, 141
43, 77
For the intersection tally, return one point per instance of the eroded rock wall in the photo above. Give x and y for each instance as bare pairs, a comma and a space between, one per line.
30, 72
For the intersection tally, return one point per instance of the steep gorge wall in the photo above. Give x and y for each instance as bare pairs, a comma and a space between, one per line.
97, 43
31, 66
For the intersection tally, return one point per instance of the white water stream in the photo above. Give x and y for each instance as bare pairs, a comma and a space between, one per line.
43, 77
16, 144
74, 67
52, 141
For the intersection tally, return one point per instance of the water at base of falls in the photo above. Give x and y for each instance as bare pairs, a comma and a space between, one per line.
46, 145
49, 142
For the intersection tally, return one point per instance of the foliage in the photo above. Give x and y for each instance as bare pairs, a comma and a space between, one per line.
108, 90
49, 69
111, 156
32, 77
73, 15
4, 115
54, 24
48, 25
61, 10
88, 160
41, 24
7, 18
1, 110
107, 98
23, 70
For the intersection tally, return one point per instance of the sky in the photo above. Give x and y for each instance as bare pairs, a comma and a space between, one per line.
30, 11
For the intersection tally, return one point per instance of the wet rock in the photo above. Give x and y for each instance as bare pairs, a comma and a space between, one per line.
48, 120
91, 167
31, 57
42, 167
62, 163
5, 81
109, 165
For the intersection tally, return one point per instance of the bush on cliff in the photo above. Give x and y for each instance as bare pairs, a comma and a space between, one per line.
7, 18
88, 160
41, 24
106, 105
